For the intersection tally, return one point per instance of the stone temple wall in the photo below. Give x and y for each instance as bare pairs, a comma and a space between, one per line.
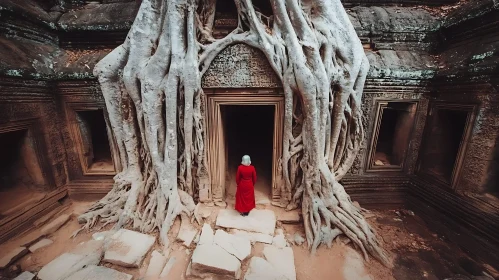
421, 61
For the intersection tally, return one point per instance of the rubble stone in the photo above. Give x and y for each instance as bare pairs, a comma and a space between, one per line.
235, 245
210, 258
299, 239
26, 275
282, 260
187, 232
262, 221
289, 217
93, 272
206, 235
66, 264
156, 264
168, 267
12, 256
279, 240
205, 211
55, 224
261, 269
40, 244
128, 248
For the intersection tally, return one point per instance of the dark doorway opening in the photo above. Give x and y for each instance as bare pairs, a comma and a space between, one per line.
96, 148
249, 131
397, 120
444, 143
21, 178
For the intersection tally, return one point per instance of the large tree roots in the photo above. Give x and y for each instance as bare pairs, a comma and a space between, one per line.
152, 88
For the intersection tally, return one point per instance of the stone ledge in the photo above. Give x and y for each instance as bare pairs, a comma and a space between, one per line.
464, 222
112, 16
470, 10
96, 187
16, 224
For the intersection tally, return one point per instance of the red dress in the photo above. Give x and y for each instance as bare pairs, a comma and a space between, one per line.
245, 193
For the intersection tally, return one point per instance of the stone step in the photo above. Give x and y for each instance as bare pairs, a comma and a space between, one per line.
55, 224
262, 221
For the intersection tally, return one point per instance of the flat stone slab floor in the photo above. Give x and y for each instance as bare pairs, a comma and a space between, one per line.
282, 260
66, 264
238, 246
260, 269
128, 248
211, 258
93, 272
26, 275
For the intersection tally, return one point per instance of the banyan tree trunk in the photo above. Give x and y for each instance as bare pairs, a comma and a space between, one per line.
152, 88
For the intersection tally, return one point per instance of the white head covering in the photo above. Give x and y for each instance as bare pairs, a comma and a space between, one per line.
246, 160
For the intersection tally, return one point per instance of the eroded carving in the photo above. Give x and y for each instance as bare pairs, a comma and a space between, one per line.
240, 66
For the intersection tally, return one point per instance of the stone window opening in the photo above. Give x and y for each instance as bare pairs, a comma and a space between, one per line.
96, 149
393, 129
445, 142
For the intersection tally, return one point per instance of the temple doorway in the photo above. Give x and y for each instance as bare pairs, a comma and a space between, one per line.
240, 123
249, 131
22, 183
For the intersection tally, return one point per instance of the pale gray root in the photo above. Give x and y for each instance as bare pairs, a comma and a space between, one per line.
142, 81
152, 88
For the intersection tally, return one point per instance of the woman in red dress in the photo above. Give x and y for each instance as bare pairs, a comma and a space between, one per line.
245, 193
